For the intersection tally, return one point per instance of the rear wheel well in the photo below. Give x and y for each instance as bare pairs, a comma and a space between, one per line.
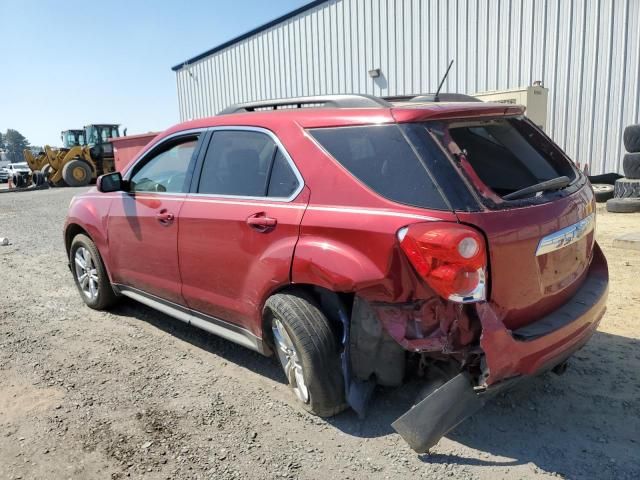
328, 301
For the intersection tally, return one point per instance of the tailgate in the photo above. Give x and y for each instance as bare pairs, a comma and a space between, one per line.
538, 255
537, 213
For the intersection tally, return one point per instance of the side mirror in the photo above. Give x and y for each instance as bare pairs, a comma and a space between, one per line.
110, 182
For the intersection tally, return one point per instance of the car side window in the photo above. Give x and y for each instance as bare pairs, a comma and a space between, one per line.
239, 163
166, 171
283, 181
381, 158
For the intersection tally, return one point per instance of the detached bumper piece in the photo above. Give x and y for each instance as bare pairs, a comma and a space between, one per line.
431, 419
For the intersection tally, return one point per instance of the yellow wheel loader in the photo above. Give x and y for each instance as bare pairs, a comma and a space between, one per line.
85, 155
38, 162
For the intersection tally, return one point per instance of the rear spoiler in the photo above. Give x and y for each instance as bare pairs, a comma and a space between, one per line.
413, 113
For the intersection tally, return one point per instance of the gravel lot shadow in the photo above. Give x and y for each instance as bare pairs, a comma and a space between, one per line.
231, 352
554, 422
557, 422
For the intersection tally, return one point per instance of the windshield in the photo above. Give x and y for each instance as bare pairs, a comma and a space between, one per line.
100, 134
73, 138
92, 135
507, 154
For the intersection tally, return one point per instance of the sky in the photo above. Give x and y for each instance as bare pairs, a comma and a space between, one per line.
66, 64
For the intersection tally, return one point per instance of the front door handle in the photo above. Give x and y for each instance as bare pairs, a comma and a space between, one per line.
164, 217
261, 223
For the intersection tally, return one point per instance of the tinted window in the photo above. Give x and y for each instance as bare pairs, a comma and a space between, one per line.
508, 154
283, 181
237, 163
380, 157
166, 171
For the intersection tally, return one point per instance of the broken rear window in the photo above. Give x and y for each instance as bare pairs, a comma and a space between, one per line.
507, 154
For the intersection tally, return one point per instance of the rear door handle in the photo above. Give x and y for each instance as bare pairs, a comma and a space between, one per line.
261, 223
164, 217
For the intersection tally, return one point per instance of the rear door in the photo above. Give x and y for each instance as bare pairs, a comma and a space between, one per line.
142, 223
239, 227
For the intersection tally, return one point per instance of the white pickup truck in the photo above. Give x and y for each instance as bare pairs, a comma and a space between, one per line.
18, 173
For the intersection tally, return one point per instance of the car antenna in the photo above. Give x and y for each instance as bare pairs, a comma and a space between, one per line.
435, 97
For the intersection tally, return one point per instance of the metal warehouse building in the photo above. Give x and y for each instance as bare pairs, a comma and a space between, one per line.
586, 52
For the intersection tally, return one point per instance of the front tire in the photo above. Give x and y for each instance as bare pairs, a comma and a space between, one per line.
308, 352
76, 173
89, 274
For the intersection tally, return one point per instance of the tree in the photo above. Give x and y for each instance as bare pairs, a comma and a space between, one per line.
14, 143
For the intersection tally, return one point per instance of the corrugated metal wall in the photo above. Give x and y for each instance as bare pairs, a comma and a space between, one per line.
586, 52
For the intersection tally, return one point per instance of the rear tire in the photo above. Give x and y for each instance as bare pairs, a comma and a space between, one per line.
77, 173
310, 345
84, 258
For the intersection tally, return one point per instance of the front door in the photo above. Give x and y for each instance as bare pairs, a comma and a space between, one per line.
143, 227
237, 234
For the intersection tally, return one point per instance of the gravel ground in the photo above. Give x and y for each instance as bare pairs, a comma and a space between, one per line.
133, 393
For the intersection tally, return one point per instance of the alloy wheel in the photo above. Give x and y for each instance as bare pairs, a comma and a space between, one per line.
290, 361
86, 273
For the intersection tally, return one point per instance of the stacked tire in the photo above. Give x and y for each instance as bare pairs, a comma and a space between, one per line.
18, 180
38, 178
626, 192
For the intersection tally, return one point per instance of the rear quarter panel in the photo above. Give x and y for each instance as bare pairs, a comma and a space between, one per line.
348, 233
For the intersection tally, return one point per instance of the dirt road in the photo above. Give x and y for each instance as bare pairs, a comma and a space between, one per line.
133, 393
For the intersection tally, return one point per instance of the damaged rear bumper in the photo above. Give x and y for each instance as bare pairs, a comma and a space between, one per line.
550, 340
510, 357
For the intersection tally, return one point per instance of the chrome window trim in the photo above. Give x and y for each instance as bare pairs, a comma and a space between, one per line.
127, 174
566, 236
279, 144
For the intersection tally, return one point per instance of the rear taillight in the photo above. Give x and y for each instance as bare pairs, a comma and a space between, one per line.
451, 258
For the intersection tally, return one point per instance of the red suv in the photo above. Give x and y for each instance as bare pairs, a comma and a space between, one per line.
362, 240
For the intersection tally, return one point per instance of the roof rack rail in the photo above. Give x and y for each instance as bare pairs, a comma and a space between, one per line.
431, 97
335, 101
